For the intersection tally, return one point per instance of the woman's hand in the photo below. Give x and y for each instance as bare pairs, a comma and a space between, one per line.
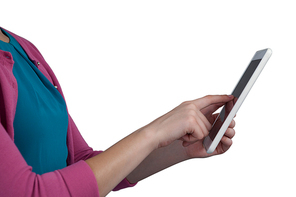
137, 156
197, 150
189, 122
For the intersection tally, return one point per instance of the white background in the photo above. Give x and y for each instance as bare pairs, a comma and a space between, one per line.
124, 63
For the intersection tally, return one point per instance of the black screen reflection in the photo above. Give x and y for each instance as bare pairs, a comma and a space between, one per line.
221, 118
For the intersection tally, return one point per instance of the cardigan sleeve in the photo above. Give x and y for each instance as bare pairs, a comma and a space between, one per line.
83, 152
17, 178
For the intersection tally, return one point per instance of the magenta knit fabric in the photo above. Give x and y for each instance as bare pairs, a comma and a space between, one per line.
16, 177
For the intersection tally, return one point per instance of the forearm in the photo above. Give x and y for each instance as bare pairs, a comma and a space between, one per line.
127, 157
158, 160
114, 164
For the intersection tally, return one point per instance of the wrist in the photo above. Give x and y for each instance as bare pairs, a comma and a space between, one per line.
149, 136
183, 151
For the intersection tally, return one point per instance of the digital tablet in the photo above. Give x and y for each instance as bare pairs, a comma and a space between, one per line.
240, 92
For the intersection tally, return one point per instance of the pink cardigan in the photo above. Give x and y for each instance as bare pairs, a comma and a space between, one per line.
16, 177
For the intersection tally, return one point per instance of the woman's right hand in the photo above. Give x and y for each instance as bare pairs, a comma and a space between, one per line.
186, 122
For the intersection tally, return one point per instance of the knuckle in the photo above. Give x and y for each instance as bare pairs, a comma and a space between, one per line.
233, 132
190, 119
192, 112
208, 97
191, 106
200, 135
209, 127
206, 133
233, 123
186, 103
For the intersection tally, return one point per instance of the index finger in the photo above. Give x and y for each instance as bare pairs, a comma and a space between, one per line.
212, 99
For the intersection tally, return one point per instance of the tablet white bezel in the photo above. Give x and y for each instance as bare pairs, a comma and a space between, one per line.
264, 55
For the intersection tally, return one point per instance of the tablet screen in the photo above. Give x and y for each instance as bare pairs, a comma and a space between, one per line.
236, 93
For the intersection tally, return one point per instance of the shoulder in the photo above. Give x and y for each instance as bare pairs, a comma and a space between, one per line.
28, 46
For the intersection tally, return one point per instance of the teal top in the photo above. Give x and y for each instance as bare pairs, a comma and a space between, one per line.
41, 118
